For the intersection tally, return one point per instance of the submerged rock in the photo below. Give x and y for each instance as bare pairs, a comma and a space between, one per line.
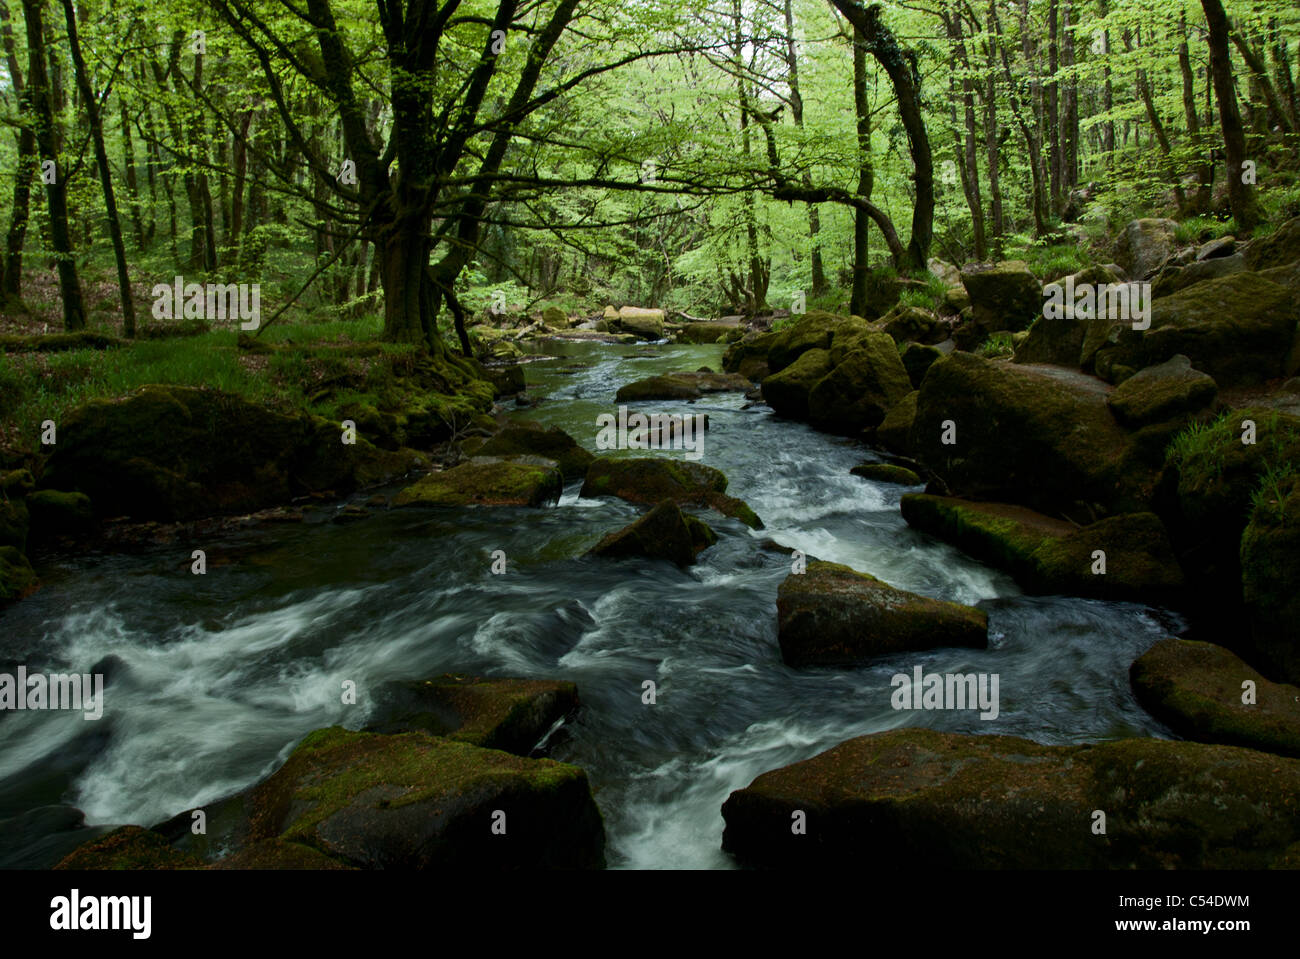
507, 714
415, 801
652, 480
663, 533
1197, 690
887, 473
488, 481
832, 615
916, 798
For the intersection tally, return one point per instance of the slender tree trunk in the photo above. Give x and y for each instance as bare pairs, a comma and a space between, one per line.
47, 140
858, 299
25, 168
967, 152
90, 101
1200, 203
796, 113
1241, 195
991, 140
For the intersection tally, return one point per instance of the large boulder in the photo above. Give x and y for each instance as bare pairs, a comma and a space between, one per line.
1214, 479
663, 533
15, 522
917, 359
1050, 556
1237, 329
55, 514
706, 332
415, 801
1173, 278
526, 438
507, 714
832, 615
174, 453
916, 797
860, 388
1144, 244
17, 578
653, 480
1197, 689
895, 432
682, 386
1059, 340
1041, 437
1168, 390
788, 391
767, 353
645, 324
1279, 248
1270, 573
1003, 295
488, 481
912, 324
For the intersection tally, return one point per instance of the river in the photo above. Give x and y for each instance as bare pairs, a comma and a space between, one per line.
212, 679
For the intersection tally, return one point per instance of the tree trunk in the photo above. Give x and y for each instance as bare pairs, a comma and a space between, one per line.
47, 140
796, 113
861, 292
91, 102
1241, 196
24, 171
1200, 203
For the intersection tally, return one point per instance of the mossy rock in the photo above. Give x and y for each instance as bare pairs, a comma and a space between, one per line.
1050, 556
917, 359
174, 453
555, 318
1171, 390
1060, 341
858, 391
1196, 690
276, 854
705, 332
652, 480
415, 801
682, 386
488, 481
1237, 329
511, 715
1270, 578
917, 797
16, 484
1042, 437
895, 432
1004, 295
910, 324
526, 438
832, 615
887, 473
56, 513
128, 848
17, 578
506, 380
788, 392
663, 533
1279, 248
15, 521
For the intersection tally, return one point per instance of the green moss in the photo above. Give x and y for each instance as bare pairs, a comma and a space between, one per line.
487, 482
128, 848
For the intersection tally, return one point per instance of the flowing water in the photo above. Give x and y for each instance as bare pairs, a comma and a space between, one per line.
212, 679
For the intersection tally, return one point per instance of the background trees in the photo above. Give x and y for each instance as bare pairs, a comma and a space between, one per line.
711, 156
